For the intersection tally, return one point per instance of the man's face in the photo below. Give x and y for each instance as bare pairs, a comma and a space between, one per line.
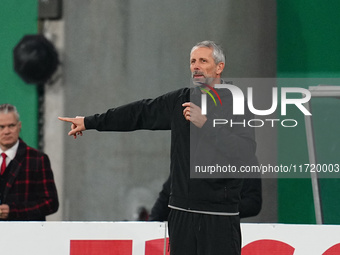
203, 67
9, 130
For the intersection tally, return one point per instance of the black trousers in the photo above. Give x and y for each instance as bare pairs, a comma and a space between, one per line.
203, 234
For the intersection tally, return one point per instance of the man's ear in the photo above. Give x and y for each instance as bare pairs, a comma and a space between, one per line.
220, 67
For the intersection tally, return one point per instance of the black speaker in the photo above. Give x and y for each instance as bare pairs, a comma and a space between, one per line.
50, 9
35, 59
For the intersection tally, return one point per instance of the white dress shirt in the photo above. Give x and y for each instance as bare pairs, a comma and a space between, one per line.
11, 152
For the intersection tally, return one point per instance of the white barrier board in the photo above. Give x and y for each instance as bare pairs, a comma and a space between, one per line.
87, 238
285, 239
149, 238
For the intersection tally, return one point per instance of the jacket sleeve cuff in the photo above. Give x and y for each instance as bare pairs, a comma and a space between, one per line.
89, 122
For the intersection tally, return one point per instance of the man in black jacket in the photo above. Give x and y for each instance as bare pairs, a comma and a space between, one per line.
204, 217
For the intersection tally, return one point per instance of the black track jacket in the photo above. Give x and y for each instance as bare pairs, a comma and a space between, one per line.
227, 145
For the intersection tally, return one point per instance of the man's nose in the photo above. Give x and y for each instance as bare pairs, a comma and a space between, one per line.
196, 66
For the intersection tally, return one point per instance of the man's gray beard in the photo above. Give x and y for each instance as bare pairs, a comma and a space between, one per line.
202, 81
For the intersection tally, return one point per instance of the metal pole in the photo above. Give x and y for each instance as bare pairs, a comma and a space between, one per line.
41, 120
317, 91
312, 160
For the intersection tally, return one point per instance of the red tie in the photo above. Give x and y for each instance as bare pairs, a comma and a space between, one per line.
3, 165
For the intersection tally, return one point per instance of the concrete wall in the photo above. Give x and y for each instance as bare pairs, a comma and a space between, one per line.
123, 50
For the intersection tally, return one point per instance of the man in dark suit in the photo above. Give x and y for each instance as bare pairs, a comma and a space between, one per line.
27, 188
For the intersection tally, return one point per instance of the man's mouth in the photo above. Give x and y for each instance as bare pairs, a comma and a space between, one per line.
198, 76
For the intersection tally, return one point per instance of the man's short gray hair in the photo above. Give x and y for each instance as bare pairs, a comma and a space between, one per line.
8, 108
218, 53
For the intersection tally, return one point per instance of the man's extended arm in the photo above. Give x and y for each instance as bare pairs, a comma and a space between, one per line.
151, 114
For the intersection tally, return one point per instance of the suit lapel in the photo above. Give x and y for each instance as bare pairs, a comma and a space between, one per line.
14, 167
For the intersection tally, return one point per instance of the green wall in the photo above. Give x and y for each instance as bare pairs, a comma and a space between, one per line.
18, 18
308, 35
